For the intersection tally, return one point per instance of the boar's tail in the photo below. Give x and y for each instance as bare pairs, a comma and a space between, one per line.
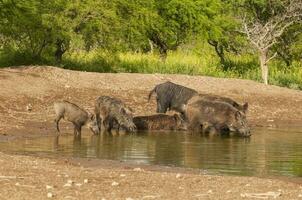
151, 93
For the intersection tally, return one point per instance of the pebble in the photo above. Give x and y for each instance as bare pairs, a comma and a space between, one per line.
178, 175
210, 191
114, 183
137, 169
86, 181
48, 187
29, 107
67, 185
129, 198
70, 182
49, 195
78, 184
300, 195
122, 175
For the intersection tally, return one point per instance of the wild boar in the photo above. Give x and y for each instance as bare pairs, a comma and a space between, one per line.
112, 113
159, 122
76, 115
202, 114
210, 97
171, 96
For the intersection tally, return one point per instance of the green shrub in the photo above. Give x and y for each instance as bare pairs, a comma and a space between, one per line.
178, 62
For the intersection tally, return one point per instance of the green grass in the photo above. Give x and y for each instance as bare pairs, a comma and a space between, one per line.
240, 66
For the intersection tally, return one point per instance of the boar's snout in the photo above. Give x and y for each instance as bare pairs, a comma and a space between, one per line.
93, 126
246, 132
132, 128
95, 130
128, 128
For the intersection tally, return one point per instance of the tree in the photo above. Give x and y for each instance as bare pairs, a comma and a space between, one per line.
264, 26
222, 32
287, 47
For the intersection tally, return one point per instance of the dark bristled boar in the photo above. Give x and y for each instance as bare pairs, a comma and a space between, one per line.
159, 122
171, 96
76, 115
112, 113
210, 97
223, 117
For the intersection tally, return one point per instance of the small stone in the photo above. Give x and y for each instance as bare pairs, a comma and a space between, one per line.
210, 191
178, 175
229, 191
67, 86
129, 198
49, 187
114, 183
49, 195
248, 185
67, 185
70, 181
300, 195
122, 175
17, 184
137, 169
29, 107
86, 181
78, 184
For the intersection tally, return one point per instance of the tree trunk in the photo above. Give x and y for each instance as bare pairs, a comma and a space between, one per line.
60, 50
161, 45
219, 51
163, 53
263, 65
151, 46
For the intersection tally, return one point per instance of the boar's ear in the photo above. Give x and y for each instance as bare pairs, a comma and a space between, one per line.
237, 115
123, 111
176, 116
130, 110
245, 107
90, 115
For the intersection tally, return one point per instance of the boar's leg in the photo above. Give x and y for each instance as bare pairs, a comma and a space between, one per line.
162, 105
57, 120
77, 130
104, 125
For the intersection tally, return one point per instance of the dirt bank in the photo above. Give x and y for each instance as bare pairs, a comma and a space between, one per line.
23, 177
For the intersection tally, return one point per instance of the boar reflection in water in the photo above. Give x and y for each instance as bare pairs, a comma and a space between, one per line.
222, 117
76, 115
160, 122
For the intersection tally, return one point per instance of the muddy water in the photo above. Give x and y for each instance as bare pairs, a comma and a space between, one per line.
269, 152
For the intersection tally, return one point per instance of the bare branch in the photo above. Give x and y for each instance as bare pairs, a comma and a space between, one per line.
263, 36
272, 57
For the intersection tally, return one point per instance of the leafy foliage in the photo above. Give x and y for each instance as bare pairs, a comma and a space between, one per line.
62, 32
